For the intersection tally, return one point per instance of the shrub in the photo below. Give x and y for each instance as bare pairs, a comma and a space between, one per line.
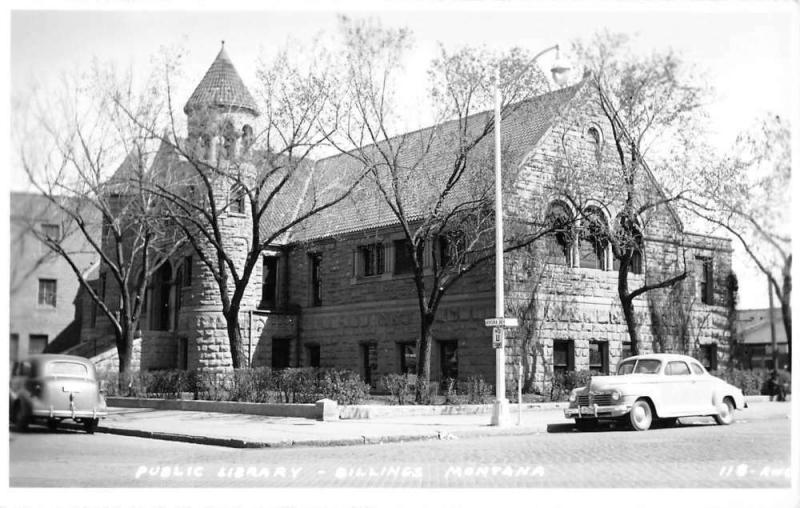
476, 390
297, 385
451, 395
245, 385
564, 383
402, 387
343, 386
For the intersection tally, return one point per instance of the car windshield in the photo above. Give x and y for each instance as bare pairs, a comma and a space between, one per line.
639, 367
70, 369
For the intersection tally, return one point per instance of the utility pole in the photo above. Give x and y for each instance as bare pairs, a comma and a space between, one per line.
500, 410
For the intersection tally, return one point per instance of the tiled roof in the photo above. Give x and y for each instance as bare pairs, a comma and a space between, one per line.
365, 209
221, 86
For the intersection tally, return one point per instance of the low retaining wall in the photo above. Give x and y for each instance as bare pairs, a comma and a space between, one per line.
369, 411
324, 410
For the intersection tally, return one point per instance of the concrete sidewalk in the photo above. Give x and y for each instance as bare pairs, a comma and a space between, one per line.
253, 431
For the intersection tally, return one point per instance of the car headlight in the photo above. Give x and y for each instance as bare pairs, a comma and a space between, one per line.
615, 395
573, 396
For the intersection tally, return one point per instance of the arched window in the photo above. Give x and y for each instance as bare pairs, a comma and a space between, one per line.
595, 136
247, 137
236, 202
559, 241
593, 238
629, 239
229, 136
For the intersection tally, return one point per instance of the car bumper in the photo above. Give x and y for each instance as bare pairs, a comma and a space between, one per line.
596, 411
51, 412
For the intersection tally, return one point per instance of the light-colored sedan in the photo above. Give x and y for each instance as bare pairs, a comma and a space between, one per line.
51, 388
654, 387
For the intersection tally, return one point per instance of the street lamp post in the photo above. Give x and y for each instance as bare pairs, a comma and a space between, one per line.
500, 414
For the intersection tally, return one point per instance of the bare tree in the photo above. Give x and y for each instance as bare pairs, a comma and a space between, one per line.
88, 160
648, 102
437, 183
267, 175
747, 194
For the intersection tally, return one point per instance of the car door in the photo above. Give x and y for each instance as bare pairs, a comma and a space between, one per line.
702, 392
677, 387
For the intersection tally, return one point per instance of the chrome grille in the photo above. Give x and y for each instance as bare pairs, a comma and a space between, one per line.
601, 399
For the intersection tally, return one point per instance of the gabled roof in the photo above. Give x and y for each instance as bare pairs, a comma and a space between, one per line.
429, 166
221, 87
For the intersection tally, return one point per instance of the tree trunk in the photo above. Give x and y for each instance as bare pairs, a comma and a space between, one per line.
424, 356
786, 313
786, 306
627, 303
234, 336
125, 355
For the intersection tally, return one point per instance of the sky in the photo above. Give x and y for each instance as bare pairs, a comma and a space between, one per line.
747, 52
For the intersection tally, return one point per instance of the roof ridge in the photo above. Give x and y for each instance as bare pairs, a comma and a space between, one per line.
572, 88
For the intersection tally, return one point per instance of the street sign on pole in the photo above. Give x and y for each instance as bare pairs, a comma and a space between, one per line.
498, 334
502, 322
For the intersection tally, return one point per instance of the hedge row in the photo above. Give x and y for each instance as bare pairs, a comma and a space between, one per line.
753, 381
403, 390
244, 385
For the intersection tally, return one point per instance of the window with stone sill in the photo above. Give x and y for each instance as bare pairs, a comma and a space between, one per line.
403, 260
408, 357
593, 239
598, 357
281, 353
708, 356
269, 283
626, 350
563, 357
371, 260
448, 359
315, 260
704, 277
559, 241
47, 293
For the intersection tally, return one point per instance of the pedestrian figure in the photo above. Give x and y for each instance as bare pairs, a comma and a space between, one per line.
775, 387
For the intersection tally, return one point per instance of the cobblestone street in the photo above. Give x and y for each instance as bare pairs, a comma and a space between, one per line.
748, 454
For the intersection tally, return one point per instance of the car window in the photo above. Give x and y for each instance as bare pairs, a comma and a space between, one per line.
24, 369
677, 369
70, 369
625, 368
647, 366
697, 369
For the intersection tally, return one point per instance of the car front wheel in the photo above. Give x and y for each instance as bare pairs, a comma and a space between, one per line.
725, 415
641, 415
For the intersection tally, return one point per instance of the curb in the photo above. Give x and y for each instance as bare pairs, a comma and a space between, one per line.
312, 443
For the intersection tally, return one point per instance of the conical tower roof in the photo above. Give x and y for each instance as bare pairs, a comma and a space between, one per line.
221, 86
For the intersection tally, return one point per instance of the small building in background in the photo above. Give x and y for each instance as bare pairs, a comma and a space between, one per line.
754, 339
43, 287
